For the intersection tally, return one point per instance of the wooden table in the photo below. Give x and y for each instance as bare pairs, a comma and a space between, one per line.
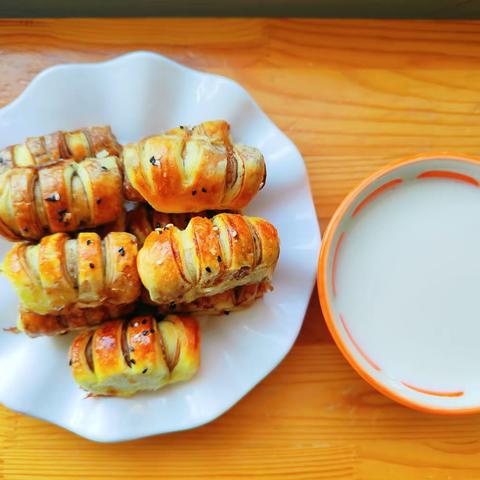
353, 95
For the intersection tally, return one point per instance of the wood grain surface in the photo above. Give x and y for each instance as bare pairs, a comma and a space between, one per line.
353, 96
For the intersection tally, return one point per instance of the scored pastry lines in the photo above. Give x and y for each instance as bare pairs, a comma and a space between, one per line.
122, 357
207, 258
183, 170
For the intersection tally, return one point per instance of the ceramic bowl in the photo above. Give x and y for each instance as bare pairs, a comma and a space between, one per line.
399, 281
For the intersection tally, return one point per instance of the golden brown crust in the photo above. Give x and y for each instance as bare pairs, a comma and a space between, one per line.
232, 300
190, 170
124, 357
49, 149
143, 220
208, 257
60, 273
184, 170
36, 325
64, 197
118, 225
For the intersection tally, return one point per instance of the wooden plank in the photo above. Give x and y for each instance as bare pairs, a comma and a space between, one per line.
426, 9
353, 96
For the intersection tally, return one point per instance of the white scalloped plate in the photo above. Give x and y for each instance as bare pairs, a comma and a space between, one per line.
140, 94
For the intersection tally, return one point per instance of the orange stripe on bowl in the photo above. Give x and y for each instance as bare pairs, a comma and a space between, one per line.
334, 265
431, 392
451, 175
376, 193
357, 346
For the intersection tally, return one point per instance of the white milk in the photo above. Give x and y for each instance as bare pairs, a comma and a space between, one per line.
408, 283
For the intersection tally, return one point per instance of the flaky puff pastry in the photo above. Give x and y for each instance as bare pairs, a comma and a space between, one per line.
59, 273
35, 325
190, 170
64, 197
124, 357
48, 149
142, 220
232, 300
210, 256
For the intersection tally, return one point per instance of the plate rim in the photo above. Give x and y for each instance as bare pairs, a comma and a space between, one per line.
161, 60
322, 271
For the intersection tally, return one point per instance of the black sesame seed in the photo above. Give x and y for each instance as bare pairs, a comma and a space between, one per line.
204, 190
152, 330
53, 198
104, 168
154, 162
89, 242
226, 312
194, 192
208, 269
158, 225
172, 305
133, 360
181, 126
144, 370
144, 321
70, 362
219, 259
145, 333
99, 201
91, 265
61, 216
121, 251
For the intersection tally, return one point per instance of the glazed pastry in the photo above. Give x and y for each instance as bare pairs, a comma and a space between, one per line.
237, 298
190, 170
48, 149
184, 170
142, 220
118, 225
210, 256
35, 325
124, 357
59, 273
64, 197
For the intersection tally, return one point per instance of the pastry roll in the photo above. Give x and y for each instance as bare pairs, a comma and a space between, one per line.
143, 220
190, 170
124, 357
64, 197
210, 256
48, 149
237, 298
59, 274
35, 325
118, 225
